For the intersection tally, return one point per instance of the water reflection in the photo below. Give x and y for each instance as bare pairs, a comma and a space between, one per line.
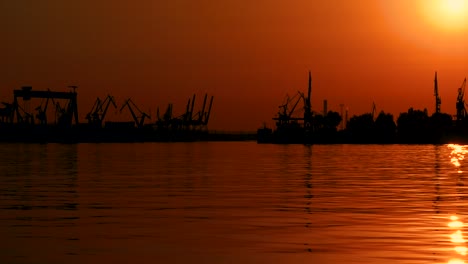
457, 155
457, 238
233, 203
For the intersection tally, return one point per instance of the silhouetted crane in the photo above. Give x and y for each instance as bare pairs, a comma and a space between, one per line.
438, 101
287, 109
207, 114
42, 112
98, 111
139, 120
93, 114
308, 107
461, 110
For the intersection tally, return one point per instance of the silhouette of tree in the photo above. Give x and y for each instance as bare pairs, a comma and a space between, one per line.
361, 129
439, 125
413, 127
325, 127
385, 128
332, 120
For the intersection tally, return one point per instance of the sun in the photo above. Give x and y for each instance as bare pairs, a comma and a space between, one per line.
452, 8
448, 15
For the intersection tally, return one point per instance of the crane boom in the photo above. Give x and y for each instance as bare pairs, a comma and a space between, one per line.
295, 104
202, 113
209, 111
109, 100
129, 103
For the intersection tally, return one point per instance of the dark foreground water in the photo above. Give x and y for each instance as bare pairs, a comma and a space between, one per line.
232, 202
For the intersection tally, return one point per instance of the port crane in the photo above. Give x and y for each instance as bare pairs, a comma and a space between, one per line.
93, 115
201, 113
287, 109
206, 115
461, 110
189, 119
201, 117
289, 106
167, 116
166, 120
139, 120
42, 111
438, 101
99, 110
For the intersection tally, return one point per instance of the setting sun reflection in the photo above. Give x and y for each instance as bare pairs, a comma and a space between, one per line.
457, 155
461, 250
456, 261
457, 239
455, 224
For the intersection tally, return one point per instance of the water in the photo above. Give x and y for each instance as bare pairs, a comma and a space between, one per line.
232, 202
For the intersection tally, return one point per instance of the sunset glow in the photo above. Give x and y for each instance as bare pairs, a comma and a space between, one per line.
246, 54
449, 15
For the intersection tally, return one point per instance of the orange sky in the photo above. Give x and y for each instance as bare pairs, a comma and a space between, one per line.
248, 54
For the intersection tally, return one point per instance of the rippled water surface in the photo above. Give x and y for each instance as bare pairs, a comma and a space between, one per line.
232, 202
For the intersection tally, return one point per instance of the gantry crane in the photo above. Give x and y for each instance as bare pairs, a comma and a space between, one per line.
139, 120
461, 110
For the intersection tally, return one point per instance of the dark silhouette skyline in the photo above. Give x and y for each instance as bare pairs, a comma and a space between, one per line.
248, 54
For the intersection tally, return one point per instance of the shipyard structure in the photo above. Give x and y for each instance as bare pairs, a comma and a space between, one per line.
295, 122
55, 119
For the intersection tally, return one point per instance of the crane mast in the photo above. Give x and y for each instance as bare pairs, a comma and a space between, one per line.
307, 107
436, 94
